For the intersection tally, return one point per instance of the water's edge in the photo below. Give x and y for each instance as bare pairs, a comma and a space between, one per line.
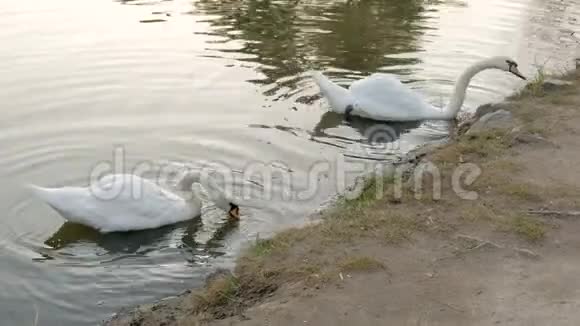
406, 166
410, 160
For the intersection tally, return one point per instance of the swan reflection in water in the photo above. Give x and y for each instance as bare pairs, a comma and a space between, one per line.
141, 242
381, 140
363, 126
378, 140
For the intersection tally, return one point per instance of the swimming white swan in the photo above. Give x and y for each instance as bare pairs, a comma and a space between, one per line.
125, 202
384, 97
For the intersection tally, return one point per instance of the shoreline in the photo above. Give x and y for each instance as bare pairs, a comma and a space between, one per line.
404, 244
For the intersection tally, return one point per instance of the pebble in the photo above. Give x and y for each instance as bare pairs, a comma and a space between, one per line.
527, 253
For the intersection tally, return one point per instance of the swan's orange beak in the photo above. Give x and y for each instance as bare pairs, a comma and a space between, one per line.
234, 211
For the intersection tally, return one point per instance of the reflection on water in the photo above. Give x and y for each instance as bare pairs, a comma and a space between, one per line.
140, 242
393, 130
219, 81
289, 37
380, 140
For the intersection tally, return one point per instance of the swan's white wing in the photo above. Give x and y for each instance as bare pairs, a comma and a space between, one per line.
384, 97
138, 203
119, 203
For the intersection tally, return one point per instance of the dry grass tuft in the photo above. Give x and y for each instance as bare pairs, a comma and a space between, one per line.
374, 188
527, 227
534, 88
487, 144
506, 165
521, 191
263, 247
501, 177
524, 226
478, 212
350, 224
218, 292
360, 264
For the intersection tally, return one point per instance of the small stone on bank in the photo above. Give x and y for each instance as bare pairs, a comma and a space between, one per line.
490, 108
500, 119
527, 253
528, 139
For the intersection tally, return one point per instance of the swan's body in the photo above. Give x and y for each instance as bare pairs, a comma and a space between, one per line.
384, 97
123, 202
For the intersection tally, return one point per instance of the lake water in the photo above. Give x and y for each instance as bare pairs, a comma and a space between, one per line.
222, 84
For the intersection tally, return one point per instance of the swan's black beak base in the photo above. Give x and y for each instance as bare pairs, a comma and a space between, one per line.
514, 70
519, 75
234, 211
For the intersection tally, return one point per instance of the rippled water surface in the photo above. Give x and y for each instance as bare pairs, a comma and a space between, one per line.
224, 83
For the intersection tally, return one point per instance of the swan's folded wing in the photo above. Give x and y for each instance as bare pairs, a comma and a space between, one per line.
137, 204
384, 97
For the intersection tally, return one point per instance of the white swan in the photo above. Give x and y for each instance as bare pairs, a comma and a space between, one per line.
384, 97
125, 202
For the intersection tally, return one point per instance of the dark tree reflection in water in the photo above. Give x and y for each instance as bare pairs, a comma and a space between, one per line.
287, 38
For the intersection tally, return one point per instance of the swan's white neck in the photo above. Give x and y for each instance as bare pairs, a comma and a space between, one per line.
185, 184
215, 193
338, 97
189, 185
461, 85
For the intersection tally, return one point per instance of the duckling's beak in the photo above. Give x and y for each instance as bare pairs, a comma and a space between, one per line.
234, 211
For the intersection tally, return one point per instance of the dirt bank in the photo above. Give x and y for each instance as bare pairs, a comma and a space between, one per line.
496, 242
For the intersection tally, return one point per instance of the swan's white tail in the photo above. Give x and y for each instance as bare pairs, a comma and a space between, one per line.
50, 196
338, 97
58, 200
44, 194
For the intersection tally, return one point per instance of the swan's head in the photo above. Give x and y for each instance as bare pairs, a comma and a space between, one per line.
507, 64
215, 193
223, 203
